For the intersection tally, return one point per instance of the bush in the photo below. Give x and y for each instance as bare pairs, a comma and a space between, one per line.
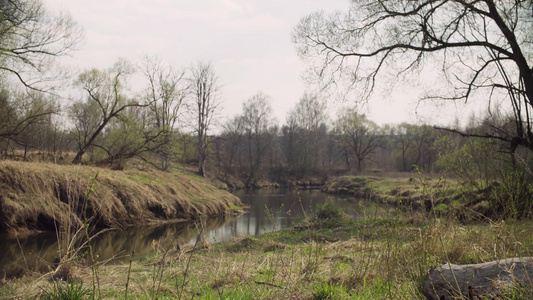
329, 215
512, 197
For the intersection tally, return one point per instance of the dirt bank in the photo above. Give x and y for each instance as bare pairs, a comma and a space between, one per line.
40, 196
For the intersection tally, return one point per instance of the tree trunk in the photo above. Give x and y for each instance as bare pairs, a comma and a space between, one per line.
477, 281
82, 150
201, 166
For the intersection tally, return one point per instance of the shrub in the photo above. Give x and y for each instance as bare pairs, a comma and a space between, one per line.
329, 215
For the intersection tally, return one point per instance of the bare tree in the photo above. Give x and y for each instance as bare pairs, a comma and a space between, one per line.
483, 49
165, 94
404, 140
260, 129
86, 118
303, 135
106, 96
359, 136
205, 92
30, 39
23, 115
132, 135
230, 145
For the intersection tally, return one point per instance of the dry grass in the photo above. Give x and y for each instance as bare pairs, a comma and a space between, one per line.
371, 259
375, 258
42, 196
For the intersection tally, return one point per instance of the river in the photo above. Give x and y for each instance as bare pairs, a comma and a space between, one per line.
269, 210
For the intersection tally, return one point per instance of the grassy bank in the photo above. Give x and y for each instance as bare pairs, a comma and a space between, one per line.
327, 257
448, 197
42, 196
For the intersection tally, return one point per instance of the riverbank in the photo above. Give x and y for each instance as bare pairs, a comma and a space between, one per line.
231, 183
444, 197
328, 256
48, 197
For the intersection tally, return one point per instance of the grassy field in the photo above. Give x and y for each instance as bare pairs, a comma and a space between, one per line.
448, 197
329, 256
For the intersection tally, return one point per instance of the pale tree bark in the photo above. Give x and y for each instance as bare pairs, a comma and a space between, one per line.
205, 93
478, 281
166, 92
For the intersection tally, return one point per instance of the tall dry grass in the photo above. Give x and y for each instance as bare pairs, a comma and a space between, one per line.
42, 196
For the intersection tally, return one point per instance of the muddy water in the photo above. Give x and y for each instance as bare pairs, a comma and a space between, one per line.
269, 210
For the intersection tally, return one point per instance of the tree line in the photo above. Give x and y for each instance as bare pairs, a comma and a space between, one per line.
108, 123
252, 147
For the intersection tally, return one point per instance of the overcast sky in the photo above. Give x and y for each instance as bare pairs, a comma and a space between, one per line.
247, 41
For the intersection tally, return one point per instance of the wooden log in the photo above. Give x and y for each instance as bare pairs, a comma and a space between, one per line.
476, 281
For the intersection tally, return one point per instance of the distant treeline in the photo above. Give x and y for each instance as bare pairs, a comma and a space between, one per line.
109, 127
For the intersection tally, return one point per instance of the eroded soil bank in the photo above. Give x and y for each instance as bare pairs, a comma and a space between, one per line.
41, 196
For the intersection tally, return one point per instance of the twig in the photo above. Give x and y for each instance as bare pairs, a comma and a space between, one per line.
269, 284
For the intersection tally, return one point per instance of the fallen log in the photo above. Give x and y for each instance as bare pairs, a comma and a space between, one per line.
476, 281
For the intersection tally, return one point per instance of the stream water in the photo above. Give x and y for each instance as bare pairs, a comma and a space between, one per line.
269, 210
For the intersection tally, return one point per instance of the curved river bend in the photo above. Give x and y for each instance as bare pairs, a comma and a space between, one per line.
269, 210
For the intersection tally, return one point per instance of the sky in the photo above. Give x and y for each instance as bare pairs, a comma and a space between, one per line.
248, 42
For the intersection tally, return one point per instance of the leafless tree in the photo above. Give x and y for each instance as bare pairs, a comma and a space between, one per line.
23, 115
403, 135
260, 129
230, 146
303, 134
166, 92
205, 93
415, 145
132, 135
31, 38
483, 48
359, 137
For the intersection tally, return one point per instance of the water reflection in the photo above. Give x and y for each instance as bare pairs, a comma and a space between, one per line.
38, 252
278, 209
269, 210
